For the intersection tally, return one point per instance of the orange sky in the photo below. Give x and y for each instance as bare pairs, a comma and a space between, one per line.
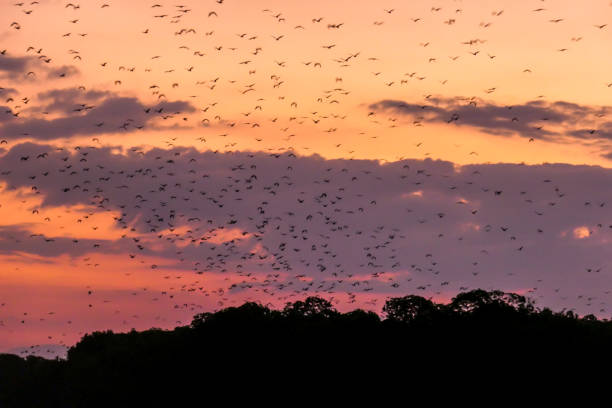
578, 75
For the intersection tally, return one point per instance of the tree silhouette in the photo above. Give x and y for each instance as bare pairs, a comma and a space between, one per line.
311, 307
479, 299
309, 340
408, 308
248, 313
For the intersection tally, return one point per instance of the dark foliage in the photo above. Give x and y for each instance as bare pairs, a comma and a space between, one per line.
308, 343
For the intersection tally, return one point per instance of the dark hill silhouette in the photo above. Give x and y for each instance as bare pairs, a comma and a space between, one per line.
306, 342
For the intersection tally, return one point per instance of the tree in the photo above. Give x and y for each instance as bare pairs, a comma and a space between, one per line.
409, 308
312, 306
248, 313
479, 299
362, 317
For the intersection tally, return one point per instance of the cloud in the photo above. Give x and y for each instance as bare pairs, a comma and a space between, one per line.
340, 226
30, 68
7, 92
14, 67
111, 113
602, 132
65, 71
7, 114
66, 100
15, 240
533, 119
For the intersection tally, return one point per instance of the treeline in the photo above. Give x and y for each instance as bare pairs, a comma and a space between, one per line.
483, 331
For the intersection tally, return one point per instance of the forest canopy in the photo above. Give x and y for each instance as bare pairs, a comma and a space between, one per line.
306, 335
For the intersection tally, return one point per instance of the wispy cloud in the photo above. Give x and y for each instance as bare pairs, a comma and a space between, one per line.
31, 68
88, 113
534, 119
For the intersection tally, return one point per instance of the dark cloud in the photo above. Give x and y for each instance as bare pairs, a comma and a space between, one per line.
7, 92
110, 113
602, 132
14, 67
72, 94
537, 119
33, 68
340, 226
7, 114
65, 71
18, 240
68, 99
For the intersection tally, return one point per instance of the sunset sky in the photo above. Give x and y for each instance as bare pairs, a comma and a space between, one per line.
158, 160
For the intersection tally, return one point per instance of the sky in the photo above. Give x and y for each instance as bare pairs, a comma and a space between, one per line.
159, 160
